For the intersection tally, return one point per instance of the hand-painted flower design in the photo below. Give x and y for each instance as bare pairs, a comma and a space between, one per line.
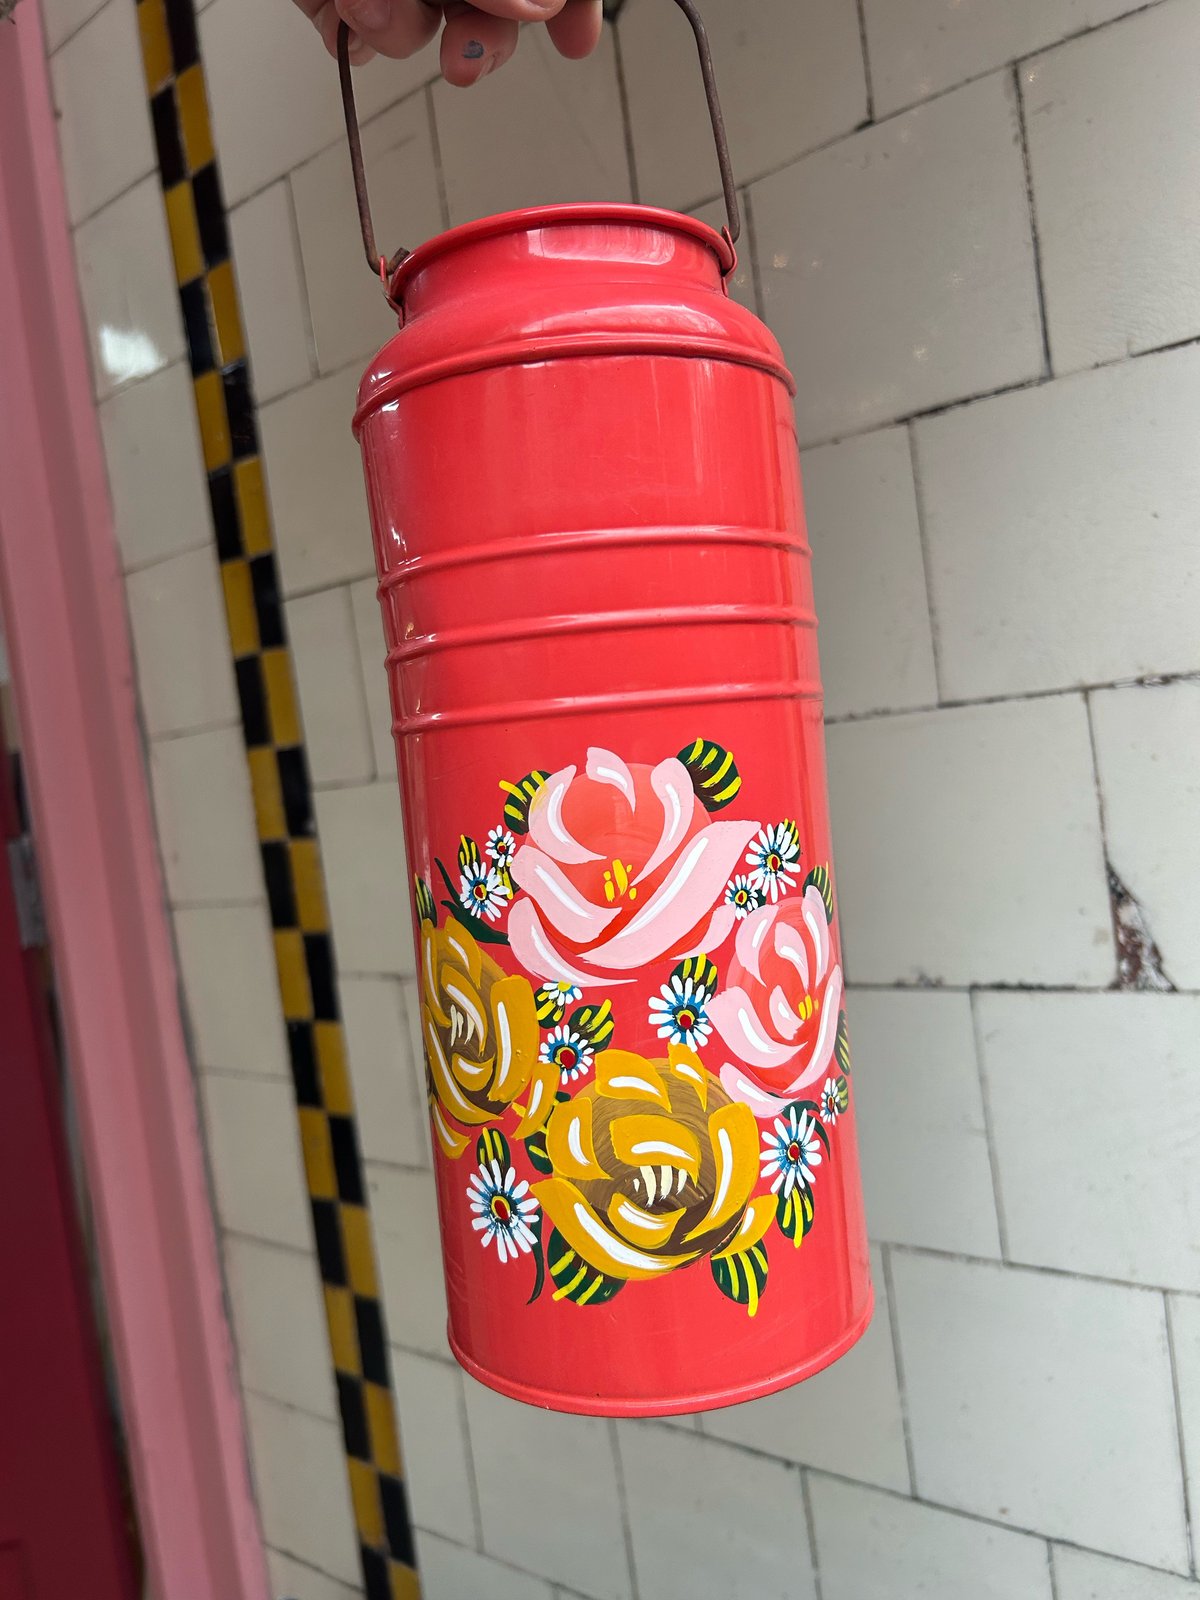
501, 846
743, 897
778, 1013
479, 1028
553, 1000
773, 858
570, 1052
680, 1015
830, 1109
792, 1151
653, 1167
504, 1210
623, 866
483, 892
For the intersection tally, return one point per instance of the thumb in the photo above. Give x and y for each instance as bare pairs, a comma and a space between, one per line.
395, 28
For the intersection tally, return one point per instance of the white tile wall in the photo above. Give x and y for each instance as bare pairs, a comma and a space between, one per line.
271, 286
177, 617
741, 285
698, 1506
450, 1572
968, 847
1148, 754
282, 1341
542, 130
922, 1132
847, 1419
548, 1493
227, 964
61, 18
897, 265
869, 575
1036, 555
436, 1450
314, 471
1090, 1180
1184, 1312
790, 72
1084, 1576
254, 1152
404, 1208
1044, 1402
332, 706
350, 316
1120, 265
102, 156
127, 284
877, 1547
206, 819
155, 469
920, 47
370, 898
303, 1495
368, 628
388, 1081
293, 1580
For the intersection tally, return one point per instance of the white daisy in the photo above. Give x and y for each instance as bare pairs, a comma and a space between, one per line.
571, 1053
773, 858
484, 891
504, 1210
680, 1014
743, 897
829, 1101
501, 846
792, 1153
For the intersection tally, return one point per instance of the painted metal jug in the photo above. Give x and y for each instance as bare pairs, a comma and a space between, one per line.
581, 465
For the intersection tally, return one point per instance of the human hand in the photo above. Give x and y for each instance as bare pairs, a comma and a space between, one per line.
475, 38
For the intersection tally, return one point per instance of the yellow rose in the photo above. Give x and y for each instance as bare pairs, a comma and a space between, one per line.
480, 1031
653, 1167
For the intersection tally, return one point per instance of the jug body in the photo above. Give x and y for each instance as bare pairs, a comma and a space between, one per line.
597, 604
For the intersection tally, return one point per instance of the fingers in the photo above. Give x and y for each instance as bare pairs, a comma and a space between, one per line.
576, 29
325, 19
474, 43
395, 28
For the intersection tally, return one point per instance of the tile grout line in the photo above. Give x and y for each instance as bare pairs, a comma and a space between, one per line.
756, 277
439, 169
898, 1360
614, 1440
811, 1525
464, 1422
935, 632
989, 1131
626, 113
282, 792
1052, 1569
310, 333
866, 60
1034, 234
1102, 817
1188, 1509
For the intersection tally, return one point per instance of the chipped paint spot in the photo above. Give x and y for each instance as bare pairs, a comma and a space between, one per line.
1139, 960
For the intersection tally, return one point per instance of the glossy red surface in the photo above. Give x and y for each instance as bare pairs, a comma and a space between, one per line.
585, 496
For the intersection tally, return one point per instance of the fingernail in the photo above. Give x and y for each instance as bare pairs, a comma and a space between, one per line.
473, 50
369, 15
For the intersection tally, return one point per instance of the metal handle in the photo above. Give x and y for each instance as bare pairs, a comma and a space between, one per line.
383, 266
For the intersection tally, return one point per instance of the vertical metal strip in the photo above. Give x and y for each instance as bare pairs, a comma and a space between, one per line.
282, 789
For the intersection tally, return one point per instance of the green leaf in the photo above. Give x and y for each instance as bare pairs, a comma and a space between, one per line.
480, 930
841, 1046
713, 772
574, 1278
794, 1214
426, 910
742, 1277
820, 880
539, 1259
535, 1145
841, 1093
469, 859
703, 973
595, 1023
493, 1146
520, 798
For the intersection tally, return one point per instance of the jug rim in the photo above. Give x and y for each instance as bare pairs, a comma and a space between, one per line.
531, 217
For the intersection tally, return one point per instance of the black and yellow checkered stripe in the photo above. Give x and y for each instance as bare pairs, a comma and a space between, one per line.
282, 791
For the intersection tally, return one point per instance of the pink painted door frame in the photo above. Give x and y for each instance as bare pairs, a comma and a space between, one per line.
64, 622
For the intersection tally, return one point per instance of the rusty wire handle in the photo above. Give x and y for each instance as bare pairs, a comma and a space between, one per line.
382, 266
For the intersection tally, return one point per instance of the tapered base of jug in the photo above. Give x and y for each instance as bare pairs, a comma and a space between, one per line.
599, 1405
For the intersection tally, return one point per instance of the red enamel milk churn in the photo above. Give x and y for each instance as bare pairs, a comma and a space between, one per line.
581, 465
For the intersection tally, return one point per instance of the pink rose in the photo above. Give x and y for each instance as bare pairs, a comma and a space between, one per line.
778, 1012
623, 867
